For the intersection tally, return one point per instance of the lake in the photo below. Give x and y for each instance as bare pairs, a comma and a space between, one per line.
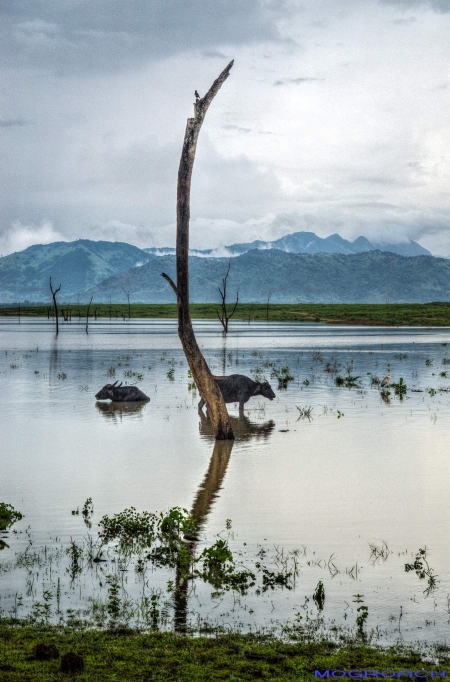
347, 495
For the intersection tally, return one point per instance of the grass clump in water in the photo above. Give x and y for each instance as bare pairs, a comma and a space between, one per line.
8, 516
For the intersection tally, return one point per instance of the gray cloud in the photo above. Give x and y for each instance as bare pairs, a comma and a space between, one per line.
214, 54
405, 22
108, 35
12, 123
238, 128
296, 81
436, 5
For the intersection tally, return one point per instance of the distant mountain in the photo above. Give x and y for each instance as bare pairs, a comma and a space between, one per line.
77, 266
368, 277
306, 242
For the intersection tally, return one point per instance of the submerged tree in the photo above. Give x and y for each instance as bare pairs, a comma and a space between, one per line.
201, 373
54, 292
127, 294
223, 315
87, 315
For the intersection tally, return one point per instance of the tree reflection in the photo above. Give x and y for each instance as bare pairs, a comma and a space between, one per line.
208, 491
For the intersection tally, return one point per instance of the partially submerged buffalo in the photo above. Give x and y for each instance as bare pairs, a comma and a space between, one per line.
121, 394
238, 388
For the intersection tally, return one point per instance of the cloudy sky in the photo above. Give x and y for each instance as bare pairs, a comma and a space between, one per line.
335, 118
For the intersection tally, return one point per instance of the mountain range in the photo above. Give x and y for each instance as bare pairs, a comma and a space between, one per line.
370, 277
299, 267
305, 242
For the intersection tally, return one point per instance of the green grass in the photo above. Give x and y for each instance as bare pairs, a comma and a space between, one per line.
411, 314
130, 656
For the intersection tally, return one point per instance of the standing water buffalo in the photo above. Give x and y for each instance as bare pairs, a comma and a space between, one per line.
238, 388
121, 394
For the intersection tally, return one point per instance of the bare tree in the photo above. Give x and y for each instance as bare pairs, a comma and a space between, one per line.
201, 373
54, 304
127, 294
223, 315
267, 309
87, 315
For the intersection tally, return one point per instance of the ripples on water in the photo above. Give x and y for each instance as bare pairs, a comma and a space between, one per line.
360, 471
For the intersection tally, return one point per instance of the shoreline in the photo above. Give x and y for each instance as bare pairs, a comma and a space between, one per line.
358, 314
123, 655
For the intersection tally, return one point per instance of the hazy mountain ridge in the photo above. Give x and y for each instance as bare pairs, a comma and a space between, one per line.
368, 277
77, 266
85, 268
304, 242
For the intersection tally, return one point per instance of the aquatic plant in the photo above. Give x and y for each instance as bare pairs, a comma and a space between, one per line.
319, 596
8, 516
423, 570
378, 553
349, 381
283, 376
75, 553
305, 412
400, 388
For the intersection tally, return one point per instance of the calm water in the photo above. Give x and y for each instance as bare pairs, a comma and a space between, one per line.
361, 471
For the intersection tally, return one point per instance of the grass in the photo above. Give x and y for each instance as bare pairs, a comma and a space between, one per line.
420, 314
127, 655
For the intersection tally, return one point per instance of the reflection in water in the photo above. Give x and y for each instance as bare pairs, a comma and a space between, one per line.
203, 502
208, 490
384, 395
212, 483
243, 428
53, 369
116, 411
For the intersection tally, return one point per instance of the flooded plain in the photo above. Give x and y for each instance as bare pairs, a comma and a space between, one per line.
334, 481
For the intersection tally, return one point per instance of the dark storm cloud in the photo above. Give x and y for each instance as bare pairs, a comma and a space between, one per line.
296, 81
107, 35
436, 5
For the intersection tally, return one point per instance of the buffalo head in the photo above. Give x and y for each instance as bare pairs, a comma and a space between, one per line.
107, 392
265, 389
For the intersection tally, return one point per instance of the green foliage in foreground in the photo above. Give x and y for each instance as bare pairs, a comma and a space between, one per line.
414, 314
127, 656
8, 515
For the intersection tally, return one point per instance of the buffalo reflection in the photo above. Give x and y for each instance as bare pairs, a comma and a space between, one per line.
116, 411
243, 428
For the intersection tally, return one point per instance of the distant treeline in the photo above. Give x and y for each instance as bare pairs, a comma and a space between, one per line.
411, 314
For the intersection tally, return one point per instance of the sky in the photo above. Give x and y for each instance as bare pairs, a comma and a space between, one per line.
335, 118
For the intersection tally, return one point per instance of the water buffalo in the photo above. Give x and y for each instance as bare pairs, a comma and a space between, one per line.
238, 388
121, 394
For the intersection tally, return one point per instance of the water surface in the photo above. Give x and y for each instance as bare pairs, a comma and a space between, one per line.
361, 471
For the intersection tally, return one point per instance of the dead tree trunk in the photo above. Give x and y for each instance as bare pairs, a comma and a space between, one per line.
205, 381
127, 294
87, 315
54, 304
223, 315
